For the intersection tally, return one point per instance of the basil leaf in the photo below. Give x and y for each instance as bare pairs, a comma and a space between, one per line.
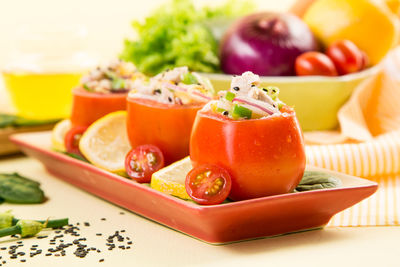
15, 188
313, 180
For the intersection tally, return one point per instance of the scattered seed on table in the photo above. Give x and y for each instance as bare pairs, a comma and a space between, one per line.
101, 260
122, 213
103, 219
23, 260
98, 234
87, 224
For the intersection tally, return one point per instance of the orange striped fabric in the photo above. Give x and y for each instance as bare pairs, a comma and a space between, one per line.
381, 209
368, 146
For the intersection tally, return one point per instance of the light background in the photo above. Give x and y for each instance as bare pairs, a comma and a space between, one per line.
108, 23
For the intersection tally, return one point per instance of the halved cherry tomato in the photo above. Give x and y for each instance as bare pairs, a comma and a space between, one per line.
72, 137
314, 63
346, 56
88, 107
208, 184
142, 161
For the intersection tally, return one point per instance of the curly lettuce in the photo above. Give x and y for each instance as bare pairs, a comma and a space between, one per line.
178, 34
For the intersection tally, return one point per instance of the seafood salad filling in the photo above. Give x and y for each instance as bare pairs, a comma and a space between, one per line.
246, 99
117, 77
177, 86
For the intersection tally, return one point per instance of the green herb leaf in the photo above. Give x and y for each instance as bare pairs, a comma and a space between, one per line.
313, 180
75, 156
15, 188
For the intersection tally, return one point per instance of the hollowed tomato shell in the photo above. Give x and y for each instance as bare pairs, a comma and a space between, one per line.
264, 156
166, 126
88, 107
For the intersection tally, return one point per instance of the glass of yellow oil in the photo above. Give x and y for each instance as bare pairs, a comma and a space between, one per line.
46, 64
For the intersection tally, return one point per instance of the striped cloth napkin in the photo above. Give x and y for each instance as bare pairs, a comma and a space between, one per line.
367, 145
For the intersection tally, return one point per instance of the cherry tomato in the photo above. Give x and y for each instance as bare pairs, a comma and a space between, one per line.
208, 184
346, 56
263, 156
142, 161
88, 107
314, 63
72, 137
166, 126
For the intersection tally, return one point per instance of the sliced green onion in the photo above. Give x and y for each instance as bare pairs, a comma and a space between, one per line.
242, 112
189, 78
230, 96
118, 83
87, 88
220, 110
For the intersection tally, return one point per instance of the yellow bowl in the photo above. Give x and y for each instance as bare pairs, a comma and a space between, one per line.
316, 99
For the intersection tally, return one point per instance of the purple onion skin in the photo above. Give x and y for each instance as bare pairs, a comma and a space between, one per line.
265, 43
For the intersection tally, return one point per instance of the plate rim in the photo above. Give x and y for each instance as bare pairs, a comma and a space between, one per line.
16, 138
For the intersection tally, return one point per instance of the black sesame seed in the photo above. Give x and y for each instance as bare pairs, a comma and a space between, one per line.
169, 99
225, 113
236, 88
253, 85
101, 260
19, 242
122, 213
129, 243
122, 231
23, 260
265, 90
103, 219
87, 224
128, 247
274, 90
98, 234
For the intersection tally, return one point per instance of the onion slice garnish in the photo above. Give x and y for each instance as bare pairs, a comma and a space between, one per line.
269, 110
179, 88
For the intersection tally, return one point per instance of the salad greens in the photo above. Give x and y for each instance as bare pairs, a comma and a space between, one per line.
179, 34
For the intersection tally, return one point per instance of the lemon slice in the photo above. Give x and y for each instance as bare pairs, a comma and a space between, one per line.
105, 143
58, 134
171, 179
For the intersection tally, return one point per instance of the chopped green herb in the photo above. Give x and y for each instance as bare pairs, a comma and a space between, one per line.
189, 78
242, 112
118, 83
87, 88
230, 96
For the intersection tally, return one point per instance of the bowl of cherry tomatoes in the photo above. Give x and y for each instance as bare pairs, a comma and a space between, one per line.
324, 81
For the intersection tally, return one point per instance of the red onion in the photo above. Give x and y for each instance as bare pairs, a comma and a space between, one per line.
265, 43
248, 102
178, 88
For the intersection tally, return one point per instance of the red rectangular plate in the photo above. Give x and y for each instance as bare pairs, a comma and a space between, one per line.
235, 221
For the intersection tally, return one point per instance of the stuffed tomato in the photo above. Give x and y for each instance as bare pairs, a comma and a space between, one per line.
161, 112
103, 90
254, 136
